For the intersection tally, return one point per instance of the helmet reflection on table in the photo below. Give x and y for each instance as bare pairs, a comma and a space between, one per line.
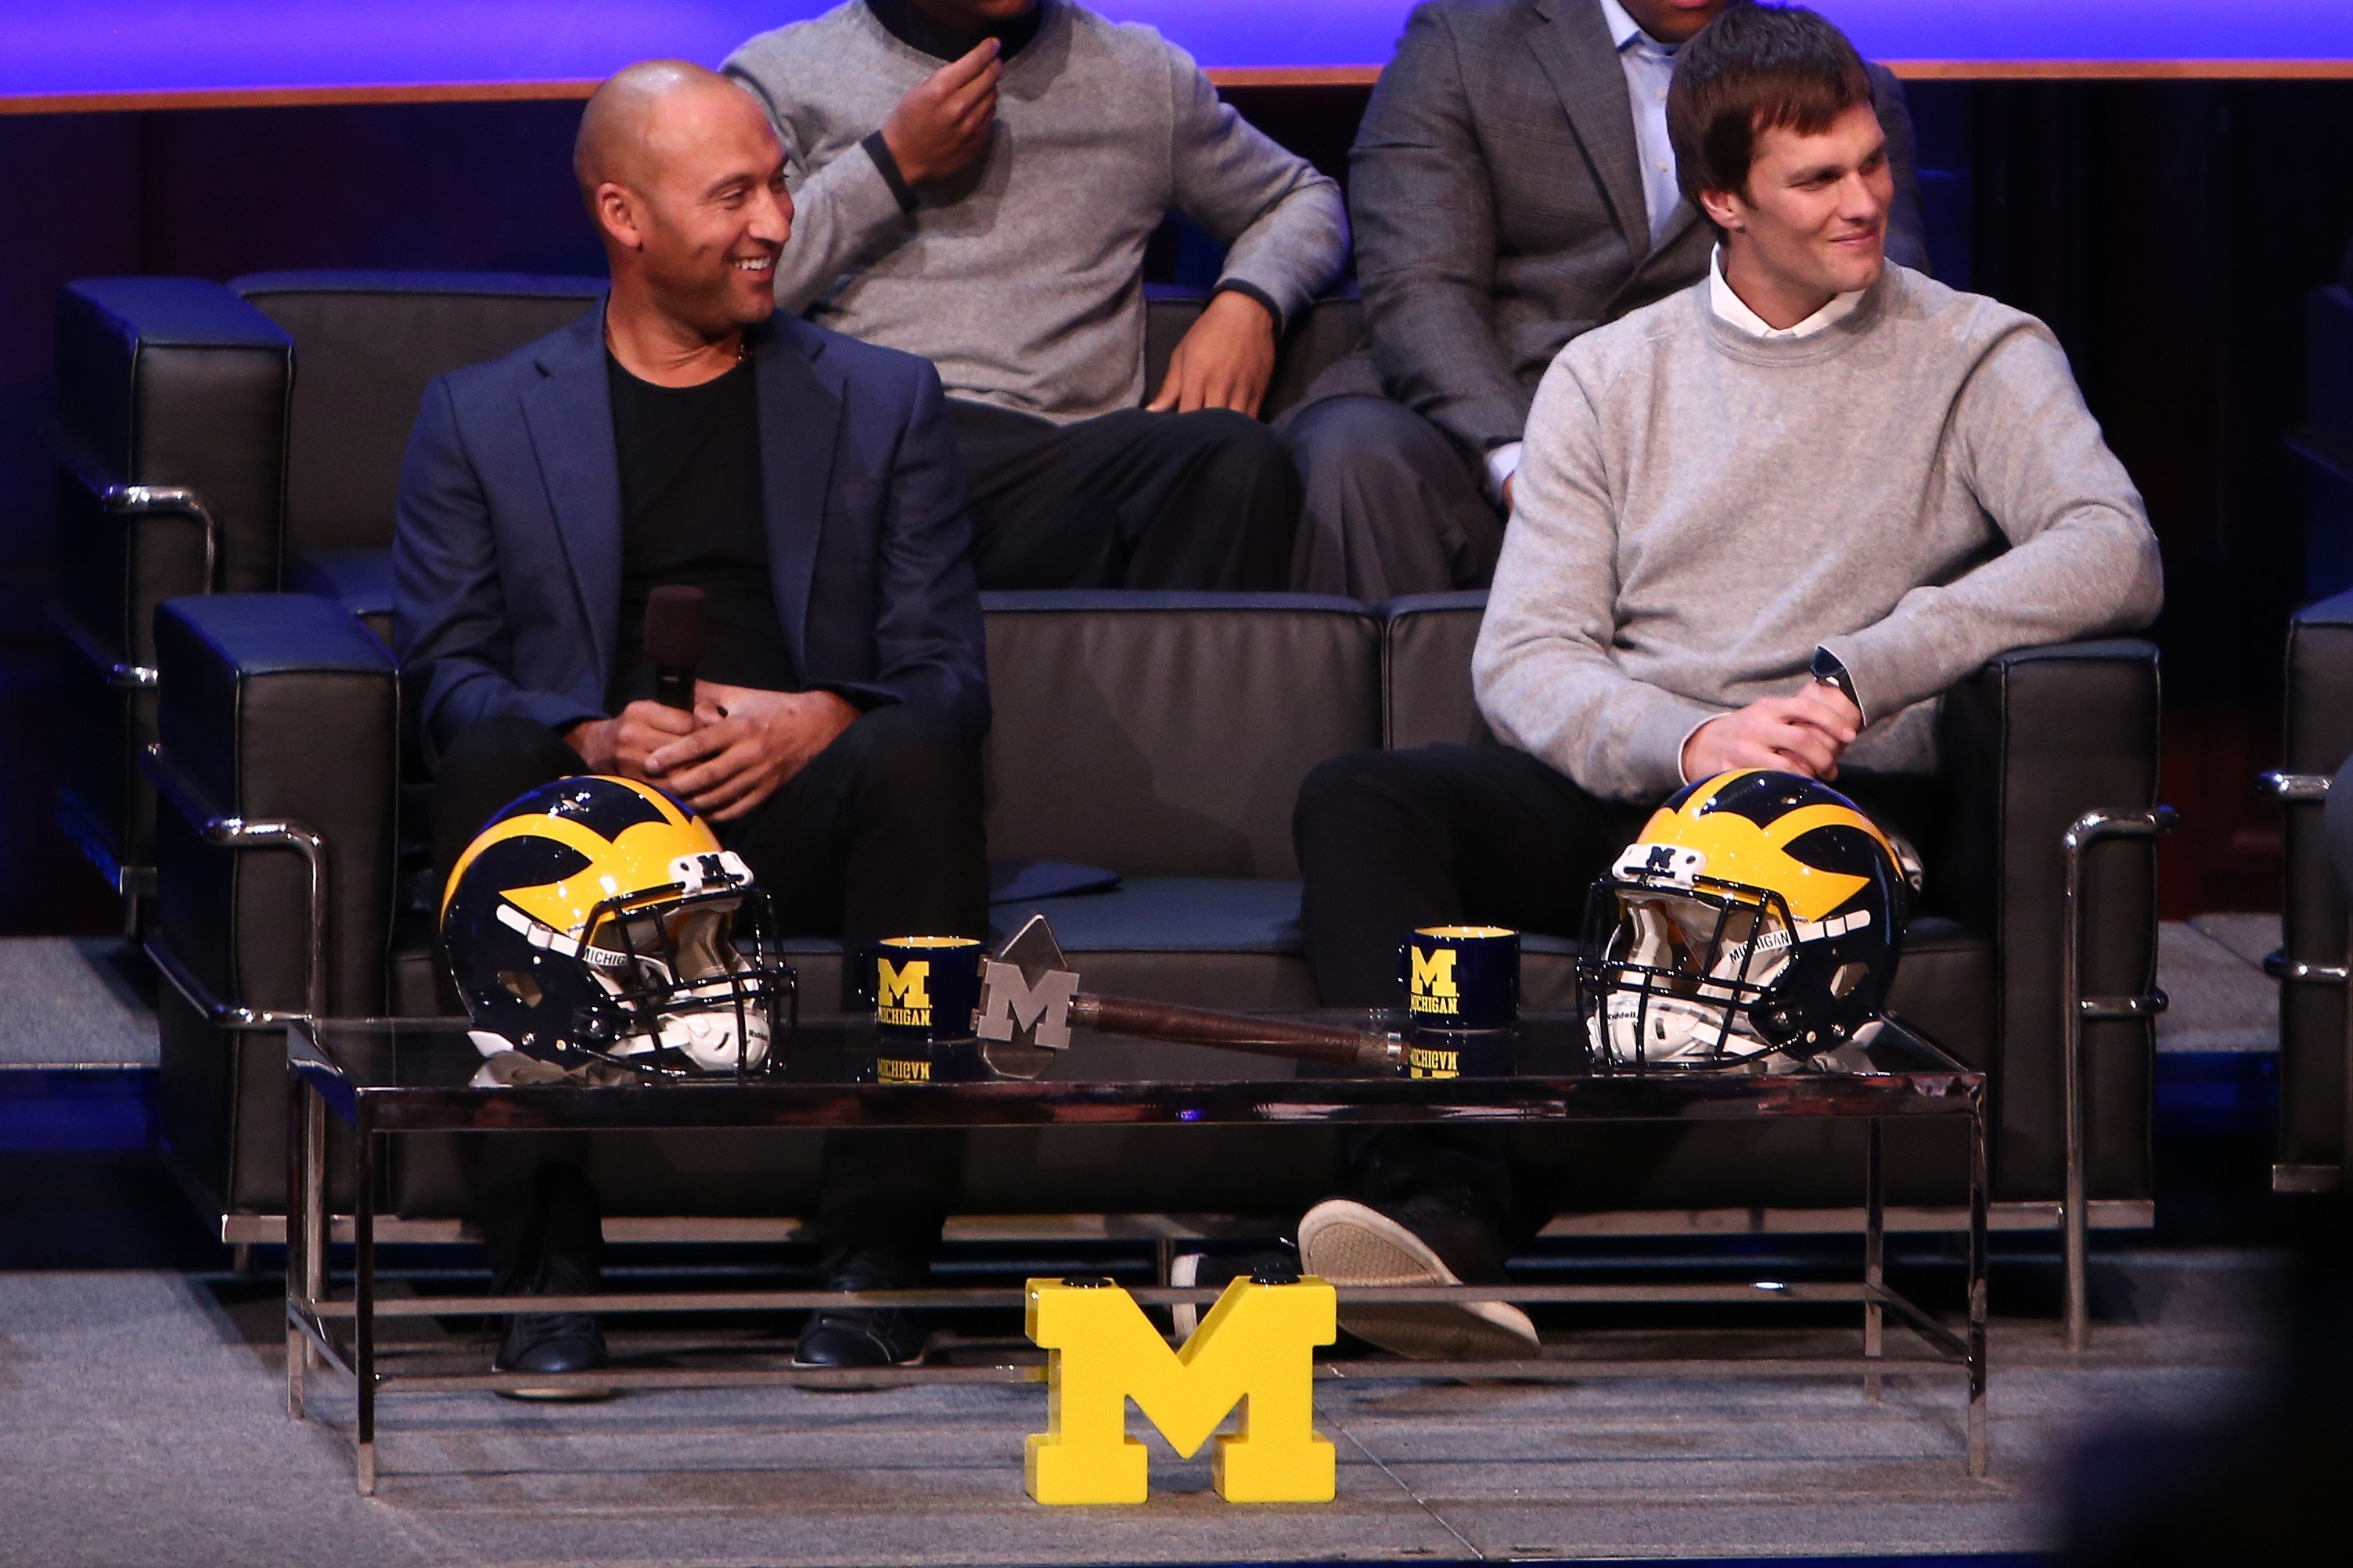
1757, 912
597, 918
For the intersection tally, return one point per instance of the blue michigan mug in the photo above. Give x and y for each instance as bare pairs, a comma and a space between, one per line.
1461, 979
923, 988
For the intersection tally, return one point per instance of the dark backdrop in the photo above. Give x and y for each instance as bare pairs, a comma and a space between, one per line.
2169, 232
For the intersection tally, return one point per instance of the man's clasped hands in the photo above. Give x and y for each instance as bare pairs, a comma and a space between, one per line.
738, 747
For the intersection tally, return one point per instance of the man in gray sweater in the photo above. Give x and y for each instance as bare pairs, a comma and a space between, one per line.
1763, 523
1512, 185
975, 182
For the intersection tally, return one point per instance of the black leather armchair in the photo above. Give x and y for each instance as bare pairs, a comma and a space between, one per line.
2316, 1118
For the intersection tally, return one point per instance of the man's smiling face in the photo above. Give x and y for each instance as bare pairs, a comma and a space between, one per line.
716, 211
1814, 213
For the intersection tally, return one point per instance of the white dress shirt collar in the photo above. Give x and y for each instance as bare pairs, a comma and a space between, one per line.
1731, 309
1623, 28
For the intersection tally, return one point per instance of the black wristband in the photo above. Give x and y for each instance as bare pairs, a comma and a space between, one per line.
888, 165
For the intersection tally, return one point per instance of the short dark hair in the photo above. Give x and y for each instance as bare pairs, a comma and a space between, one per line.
1753, 69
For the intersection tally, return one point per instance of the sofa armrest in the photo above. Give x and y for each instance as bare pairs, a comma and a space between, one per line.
273, 709
175, 382
2312, 928
2033, 742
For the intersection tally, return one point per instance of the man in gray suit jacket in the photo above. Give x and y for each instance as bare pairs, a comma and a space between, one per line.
1512, 187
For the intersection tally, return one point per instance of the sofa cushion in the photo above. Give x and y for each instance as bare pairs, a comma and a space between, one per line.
365, 346
1167, 735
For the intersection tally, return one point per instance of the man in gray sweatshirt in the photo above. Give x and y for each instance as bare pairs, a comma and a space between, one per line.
1763, 523
975, 181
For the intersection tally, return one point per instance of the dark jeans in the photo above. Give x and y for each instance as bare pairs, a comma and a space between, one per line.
879, 836
1127, 500
1389, 841
1392, 505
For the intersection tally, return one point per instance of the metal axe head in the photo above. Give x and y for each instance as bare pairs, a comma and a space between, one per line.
1024, 1013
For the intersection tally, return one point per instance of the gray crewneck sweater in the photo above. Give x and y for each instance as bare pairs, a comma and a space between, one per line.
1020, 276
1916, 489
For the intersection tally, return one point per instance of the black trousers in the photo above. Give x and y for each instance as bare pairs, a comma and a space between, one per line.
1127, 500
1392, 507
1389, 841
879, 836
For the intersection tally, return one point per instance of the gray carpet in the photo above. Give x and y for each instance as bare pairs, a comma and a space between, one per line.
2213, 969
140, 1422
74, 1002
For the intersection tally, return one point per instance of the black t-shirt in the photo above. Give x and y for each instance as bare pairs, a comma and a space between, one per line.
691, 513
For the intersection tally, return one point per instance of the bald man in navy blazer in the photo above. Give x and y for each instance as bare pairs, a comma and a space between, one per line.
681, 433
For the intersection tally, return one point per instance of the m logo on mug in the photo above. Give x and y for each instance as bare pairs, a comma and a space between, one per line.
1433, 980
902, 994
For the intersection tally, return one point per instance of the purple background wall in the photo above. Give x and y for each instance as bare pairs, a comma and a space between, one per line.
98, 45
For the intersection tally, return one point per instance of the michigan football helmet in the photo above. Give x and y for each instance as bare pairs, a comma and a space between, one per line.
1757, 912
598, 919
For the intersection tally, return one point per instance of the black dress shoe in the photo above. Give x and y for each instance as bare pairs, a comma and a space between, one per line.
553, 1342
855, 1341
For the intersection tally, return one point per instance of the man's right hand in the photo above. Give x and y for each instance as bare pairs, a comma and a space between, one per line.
621, 745
940, 126
1801, 734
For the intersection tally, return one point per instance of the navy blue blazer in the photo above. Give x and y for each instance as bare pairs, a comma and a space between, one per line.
507, 560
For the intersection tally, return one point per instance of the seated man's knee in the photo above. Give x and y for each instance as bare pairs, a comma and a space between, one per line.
1355, 429
1346, 796
499, 747
1237, 444
914, 759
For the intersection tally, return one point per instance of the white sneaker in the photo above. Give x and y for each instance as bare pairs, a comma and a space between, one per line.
1347, 1243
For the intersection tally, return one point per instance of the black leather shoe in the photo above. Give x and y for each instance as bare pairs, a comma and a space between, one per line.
858, 1340
553, 1341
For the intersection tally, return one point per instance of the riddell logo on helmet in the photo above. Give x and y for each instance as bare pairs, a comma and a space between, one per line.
903, 996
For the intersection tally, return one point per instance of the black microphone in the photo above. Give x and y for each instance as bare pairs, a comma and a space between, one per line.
674, 642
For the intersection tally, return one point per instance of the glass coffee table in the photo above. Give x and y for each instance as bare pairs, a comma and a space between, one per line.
385, 1078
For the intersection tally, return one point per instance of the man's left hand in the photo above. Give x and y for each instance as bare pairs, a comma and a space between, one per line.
746, 744
1225, 362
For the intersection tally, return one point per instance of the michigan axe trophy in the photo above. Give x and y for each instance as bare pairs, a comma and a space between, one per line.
1029, 997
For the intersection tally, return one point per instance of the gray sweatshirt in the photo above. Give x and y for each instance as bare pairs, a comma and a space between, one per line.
1020, 276
1915, 488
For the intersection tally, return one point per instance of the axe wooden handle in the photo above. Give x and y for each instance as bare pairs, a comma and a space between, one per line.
1264, 1036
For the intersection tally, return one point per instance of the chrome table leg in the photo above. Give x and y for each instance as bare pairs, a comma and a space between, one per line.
363, 1293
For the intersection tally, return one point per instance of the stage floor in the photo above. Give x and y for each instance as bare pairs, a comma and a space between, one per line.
144, 1423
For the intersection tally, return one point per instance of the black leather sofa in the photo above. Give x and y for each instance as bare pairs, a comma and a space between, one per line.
248, 437
1161, 737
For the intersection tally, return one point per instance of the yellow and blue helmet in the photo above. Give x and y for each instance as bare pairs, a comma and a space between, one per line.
597, 917
1758, 911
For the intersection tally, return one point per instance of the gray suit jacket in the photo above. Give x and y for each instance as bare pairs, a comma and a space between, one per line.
1497, 202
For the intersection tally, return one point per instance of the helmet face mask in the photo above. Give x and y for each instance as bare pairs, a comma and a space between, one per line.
1759, 913
1678, 972
684, 997
598, 919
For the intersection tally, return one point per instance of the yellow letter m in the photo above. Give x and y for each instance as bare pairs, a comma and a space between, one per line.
1257, 1344
1433, 972
907, 987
